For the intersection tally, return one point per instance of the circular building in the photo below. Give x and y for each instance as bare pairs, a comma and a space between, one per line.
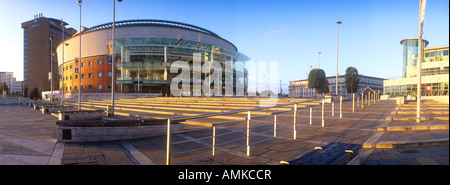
144, 52
411, 55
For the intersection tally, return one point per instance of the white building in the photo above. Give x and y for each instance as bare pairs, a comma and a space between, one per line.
13, 85
299, 89
435, 72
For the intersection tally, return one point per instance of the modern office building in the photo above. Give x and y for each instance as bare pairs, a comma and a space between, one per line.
36, 52
435, 71
144, 52
299, 89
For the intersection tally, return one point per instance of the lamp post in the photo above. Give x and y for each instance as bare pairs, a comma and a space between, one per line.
337, 56
63, 25
79, 64
113, 66
51, 70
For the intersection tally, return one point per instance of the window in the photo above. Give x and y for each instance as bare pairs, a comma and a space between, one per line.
109, 86
70, 77
99, 62
82, 87
76, 76
430, 54
445, 52
70, 66
90, 63
82, 64
99, 75
76, 88
90, 75
82, 76
109, 74
90, 87
70, 88
99, 87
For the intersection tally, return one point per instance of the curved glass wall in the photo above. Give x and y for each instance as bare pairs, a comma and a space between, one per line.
410, 57
143, 64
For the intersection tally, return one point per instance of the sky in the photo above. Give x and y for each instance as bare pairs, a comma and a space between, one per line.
291, 32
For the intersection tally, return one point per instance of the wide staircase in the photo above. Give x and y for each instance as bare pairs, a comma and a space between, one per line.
430, 110
171, 107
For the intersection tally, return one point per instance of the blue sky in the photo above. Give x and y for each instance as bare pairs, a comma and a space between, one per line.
291, 32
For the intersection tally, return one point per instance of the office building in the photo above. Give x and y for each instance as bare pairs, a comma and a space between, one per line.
37, 52
435, 71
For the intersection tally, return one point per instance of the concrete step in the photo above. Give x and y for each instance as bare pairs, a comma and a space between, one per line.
427, 112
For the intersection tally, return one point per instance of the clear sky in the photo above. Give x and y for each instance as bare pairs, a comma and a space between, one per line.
291, 32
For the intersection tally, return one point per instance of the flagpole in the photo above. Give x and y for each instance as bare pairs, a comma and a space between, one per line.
422, 4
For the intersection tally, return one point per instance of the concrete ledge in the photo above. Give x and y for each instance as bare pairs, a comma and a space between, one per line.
406, 144
412, 128
94, 134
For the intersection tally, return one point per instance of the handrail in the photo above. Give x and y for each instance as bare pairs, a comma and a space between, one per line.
244, 110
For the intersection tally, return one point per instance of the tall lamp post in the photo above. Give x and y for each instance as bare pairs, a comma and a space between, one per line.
51, 70
113, 68
79, 64
337, 56
63, 25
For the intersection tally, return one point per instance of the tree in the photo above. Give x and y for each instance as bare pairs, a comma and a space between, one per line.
317, 80
35, 94
351, 80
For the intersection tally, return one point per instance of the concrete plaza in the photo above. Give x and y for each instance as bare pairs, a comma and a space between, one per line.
28, 137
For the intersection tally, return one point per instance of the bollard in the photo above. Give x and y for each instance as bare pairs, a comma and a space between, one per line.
310, 116
340, 108
214, 142
368, 98
353, 101
168, 143
275, 126
332, 108
295, 122
323, 107
362, 101
248, 134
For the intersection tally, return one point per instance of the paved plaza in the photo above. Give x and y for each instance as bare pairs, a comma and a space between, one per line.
29, 138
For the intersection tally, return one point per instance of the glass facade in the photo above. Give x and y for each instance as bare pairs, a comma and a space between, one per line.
143, 64
410, 56
428, 89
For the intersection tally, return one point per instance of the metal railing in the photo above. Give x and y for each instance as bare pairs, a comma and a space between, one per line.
249, 126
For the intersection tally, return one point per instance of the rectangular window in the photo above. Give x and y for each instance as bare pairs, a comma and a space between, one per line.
82, 76
82, 87
76, 88
99, 62
99, 87
90, 75
76, 76
99, 75
109, 86
90, 63
82, 64
90, 87
445, 52
109, 74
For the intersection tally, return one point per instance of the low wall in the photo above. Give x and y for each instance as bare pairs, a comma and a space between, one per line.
93, 134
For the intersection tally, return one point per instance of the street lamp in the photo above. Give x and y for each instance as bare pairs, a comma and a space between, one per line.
63, 25
51, 69
79, 64
337, 56
113, 68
